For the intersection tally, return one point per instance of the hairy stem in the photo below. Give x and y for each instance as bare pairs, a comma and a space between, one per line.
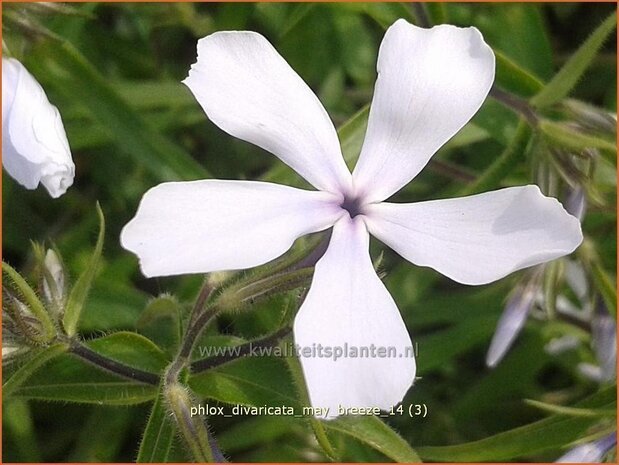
240, 351
86, 353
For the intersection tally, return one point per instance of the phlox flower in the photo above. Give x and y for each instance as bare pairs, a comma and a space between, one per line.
34, 144
430, 83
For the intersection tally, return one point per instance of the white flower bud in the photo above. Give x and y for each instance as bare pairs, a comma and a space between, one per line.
54, 281
34, 143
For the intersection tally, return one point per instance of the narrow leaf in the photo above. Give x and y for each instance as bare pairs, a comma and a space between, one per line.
296, 370
565, 80
572, 411
164, 159
80, 291
251, 381
26, 370
71, 379
514, 78
544, 435
158, 435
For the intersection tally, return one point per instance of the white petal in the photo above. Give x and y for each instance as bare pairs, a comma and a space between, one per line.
212, 225
430, 83
34, 143
248, 90
480, 238
348, 308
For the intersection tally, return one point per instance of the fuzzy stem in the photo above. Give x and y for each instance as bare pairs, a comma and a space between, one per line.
240, 351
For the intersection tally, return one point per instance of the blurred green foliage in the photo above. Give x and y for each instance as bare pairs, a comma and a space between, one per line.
114, 72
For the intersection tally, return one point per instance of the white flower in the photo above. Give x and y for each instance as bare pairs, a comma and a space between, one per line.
34, 143
430, 83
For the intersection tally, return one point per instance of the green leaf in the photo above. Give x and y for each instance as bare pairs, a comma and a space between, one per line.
252, 381
255, 431
70, 379
373, 432
565, 80
296, 370
103, 434
439, 348
548, 434
79, 293
352, 135
79, 79
572, 411
514, 78
131, 349
18, 429
533, 52
160, 322
31, 366
158, 435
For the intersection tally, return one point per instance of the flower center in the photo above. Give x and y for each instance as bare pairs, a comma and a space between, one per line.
352, 205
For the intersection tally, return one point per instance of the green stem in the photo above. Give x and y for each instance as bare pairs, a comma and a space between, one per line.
504, 164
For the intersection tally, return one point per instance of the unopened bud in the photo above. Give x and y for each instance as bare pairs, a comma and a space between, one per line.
604, 340
513, 318
576, 203
53, 282
18, 322
591, 117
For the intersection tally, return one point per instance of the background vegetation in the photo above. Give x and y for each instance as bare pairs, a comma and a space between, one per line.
114, 72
